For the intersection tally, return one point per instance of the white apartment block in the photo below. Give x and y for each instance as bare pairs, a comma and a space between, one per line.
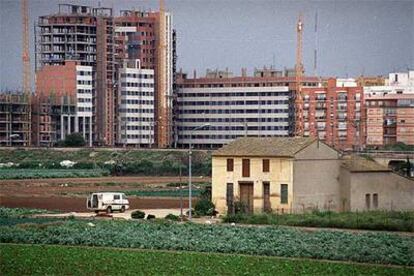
232, 112
397, 83
136, 105
76, 117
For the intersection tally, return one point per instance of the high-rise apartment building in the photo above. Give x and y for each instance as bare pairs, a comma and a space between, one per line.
84, 34
148, 36
95, 37
136, 105
335, 113
390, 111
234, 106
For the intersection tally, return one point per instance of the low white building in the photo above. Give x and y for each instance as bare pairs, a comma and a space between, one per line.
136, 105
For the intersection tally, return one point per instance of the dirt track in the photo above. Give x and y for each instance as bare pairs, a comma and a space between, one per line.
60, 194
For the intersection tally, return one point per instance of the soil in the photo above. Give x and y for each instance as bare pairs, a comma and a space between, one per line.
68, 194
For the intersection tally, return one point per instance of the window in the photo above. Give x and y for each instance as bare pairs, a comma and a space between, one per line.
367, 201
375, 201
230, 198
117, 197
284, 194
246, 168
230, 165
266, 197
266, 165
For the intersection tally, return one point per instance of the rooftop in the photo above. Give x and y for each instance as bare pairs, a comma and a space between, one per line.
265, 146
360, 164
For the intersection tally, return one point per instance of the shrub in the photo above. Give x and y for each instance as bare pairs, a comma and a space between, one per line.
74, 140
204, 207
137, 214
172, 217
240, 207
150, 216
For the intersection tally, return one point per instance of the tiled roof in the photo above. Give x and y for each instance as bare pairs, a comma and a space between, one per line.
360, 164
265, 146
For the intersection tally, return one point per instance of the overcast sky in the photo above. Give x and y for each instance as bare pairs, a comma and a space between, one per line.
354, 37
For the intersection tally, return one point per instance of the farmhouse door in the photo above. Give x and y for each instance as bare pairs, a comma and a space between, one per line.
246, 196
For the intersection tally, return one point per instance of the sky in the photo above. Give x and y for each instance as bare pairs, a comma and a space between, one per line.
354, 37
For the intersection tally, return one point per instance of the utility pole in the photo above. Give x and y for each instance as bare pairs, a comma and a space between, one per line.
298, 79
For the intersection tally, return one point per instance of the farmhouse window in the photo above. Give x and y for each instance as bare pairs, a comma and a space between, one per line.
266, 167
246, 168
230, 165
367, 201
266, 197
375, 201
284, 194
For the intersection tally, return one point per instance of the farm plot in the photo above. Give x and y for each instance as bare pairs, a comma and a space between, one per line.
379, 248
50, 173
41, 260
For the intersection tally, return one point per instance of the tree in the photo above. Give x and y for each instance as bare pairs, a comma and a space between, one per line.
74, 140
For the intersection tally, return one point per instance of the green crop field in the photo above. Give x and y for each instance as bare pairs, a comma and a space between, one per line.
369, 247
50, 173
369, 220
62, 260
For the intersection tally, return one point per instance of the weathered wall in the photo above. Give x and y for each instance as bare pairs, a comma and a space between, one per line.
316, 184
281, 171
394, 192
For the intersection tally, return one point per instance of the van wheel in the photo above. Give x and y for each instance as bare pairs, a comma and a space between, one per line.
122, 209
109, 210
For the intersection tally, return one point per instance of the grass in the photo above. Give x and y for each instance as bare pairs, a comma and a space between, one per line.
371, 220
61, 260
373, 247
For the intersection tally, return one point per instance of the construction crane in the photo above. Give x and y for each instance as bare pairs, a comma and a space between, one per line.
298, 79
25, 52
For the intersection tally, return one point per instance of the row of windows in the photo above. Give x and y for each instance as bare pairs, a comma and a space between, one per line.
233, 111
137, 84
84, 73
138, 119
227, 137
149, 102
84, 100
84, 82
232, 103
84, 91
226, 128
240, 84
138, 128
84, 109
137, 76
137, 136
136, 110
235, 94
137, 93
234, 120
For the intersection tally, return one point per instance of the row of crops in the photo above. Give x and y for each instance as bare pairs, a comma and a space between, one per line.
50, 173
371, 247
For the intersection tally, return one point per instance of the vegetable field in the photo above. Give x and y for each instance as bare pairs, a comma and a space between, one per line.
42, 260
50, 173
371, 220
380, 248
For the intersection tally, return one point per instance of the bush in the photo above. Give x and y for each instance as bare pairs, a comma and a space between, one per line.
172, 217
150, 216
74, 140
204, 207
137, 214
240, 207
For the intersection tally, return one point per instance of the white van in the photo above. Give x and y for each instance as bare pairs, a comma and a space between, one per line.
107, 201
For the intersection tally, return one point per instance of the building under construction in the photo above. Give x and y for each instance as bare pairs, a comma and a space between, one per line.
86, 35
14, 120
